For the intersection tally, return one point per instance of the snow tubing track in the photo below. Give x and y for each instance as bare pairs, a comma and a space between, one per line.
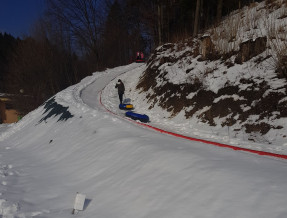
263, 153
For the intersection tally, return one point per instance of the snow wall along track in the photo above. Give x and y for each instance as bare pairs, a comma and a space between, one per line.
134, 67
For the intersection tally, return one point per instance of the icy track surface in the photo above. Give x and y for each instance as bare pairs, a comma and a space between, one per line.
124, 170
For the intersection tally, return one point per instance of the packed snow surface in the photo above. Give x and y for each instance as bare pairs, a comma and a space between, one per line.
74, 144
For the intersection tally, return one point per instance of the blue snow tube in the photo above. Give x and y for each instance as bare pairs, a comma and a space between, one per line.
126, 106
141, 117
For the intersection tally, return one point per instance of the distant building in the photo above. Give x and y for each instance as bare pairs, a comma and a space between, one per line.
8, 113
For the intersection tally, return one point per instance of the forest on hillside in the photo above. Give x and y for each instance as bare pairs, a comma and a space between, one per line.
77, 37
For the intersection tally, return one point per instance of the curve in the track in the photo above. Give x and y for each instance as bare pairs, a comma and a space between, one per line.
263, 153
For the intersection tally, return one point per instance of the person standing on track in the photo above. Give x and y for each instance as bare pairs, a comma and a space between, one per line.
121, 90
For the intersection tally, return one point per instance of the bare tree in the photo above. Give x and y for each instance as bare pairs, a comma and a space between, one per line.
40, 69
30, 72
83, 20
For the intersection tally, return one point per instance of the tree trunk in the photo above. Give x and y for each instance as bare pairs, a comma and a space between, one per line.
219, 10
196, 20
159, 22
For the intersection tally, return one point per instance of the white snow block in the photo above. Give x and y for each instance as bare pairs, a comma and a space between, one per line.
79, 201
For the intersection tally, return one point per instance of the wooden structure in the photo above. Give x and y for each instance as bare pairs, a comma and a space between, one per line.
8, 114
206, 46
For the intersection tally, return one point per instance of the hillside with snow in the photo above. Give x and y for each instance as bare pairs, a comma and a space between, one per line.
80, 141
73, 143
229, 82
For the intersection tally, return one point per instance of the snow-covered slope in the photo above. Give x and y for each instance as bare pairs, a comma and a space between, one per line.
229, 85
72, 144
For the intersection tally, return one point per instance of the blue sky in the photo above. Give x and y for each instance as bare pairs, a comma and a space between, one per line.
17, 16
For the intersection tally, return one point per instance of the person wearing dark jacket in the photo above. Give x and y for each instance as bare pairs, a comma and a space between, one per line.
121, 90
